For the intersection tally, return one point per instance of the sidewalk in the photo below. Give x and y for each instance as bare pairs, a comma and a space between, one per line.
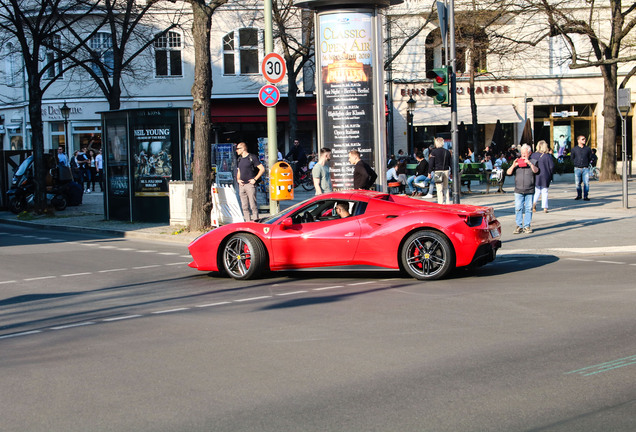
571, 227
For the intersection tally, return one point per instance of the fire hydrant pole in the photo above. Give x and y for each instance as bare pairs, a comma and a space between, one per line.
272, 147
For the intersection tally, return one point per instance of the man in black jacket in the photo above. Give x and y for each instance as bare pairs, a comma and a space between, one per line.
363, 175
524, 169
581, 156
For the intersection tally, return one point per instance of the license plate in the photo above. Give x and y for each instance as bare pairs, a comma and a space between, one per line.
494, 233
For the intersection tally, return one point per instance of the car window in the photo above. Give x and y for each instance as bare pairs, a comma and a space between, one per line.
325, 210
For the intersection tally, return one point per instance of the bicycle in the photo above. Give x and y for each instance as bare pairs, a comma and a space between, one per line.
595, 172
302, 177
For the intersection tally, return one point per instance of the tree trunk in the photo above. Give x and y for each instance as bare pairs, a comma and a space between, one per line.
37, 142
473, 112
292, 100
201, 109
610, 114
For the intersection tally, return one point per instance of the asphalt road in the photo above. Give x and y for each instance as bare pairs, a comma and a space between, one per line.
109, 334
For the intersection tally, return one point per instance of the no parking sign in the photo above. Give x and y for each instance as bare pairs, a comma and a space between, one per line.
269, 95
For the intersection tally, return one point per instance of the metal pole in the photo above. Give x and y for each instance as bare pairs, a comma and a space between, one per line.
625, 182
272, 139
453, 97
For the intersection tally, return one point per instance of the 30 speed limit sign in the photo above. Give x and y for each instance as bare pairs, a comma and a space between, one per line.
273, 68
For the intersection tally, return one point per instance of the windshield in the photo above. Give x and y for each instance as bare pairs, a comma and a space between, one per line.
23, 166
277, 216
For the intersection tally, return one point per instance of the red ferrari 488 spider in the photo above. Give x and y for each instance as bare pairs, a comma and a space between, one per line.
427, 240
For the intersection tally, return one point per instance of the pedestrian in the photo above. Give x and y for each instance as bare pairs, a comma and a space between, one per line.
92, 166
420, 177
320, 172
62, 160
393, 175
84, 167
99, 170
545, 163
524, 170
363, 175
439, 162
75, 168
248, 173
297, 154
582, 157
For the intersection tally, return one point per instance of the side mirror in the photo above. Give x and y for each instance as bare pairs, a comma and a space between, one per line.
286, 223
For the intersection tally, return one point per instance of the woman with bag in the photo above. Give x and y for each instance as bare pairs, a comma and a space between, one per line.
439, 162
543, 179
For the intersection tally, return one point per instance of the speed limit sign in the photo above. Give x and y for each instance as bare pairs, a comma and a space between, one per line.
273, 68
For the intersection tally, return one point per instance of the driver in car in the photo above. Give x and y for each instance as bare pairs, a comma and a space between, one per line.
342, 209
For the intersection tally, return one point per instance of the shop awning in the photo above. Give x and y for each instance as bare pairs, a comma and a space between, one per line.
249, 110
486, 114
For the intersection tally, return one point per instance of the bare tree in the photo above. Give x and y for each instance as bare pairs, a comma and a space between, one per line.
596, 34
131, 28
36, 27
295, 30
202, 12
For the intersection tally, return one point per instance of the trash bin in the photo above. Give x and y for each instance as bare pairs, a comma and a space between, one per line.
281, 182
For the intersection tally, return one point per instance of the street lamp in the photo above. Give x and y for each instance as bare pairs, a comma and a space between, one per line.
410, 109
66, 112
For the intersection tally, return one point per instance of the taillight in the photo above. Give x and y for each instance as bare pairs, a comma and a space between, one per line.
473, 221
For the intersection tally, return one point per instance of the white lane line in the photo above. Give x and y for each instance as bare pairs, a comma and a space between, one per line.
108, 247
328, 288
39, 278
506, 261
43, 238
112, 270
89, 244
121, 318
28, 236
611, 262
58, 241
146, 251
7, 282
389, 279
213, 304
360, 283
291, 293
86, 323
252, 299
125, 249
76, 274
170, 310
184, 256
168, 253
580, 259
145, 267
177, 263
21, 334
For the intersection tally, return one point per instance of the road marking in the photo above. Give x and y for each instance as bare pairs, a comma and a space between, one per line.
43, 238
291, 293
611, 262
121, 318
213, 304
328, 288
112, 270
89, 244
170, 310
360, 283
177, 263
252, 299
86, 323
605, 367
168, 253
580, 259
184, 256
7, 282
108, 247
57, 241
145, 267
126, 249
39, 278
20, 334
145, 251
76, 274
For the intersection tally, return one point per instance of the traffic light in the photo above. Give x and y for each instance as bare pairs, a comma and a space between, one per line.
439, 91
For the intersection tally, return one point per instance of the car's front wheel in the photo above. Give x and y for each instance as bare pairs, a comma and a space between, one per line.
427, 255
244, 256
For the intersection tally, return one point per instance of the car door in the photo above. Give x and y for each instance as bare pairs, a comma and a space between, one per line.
327, 240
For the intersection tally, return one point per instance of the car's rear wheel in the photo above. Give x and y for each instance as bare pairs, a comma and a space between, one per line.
244, 256
427, 255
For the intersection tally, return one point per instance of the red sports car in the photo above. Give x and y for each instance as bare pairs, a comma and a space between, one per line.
425, 239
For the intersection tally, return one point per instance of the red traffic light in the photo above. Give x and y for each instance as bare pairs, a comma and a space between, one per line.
438, 75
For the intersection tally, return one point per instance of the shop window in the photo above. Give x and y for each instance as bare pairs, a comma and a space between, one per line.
168, 55
51, 57
58, 137
241, 51
102, 52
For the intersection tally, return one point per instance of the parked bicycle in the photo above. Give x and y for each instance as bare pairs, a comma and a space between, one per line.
595, 172
302, 176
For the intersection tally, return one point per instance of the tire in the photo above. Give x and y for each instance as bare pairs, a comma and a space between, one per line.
308, 184
427, 255
244, 256
16, 205
595, 173
59, 202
